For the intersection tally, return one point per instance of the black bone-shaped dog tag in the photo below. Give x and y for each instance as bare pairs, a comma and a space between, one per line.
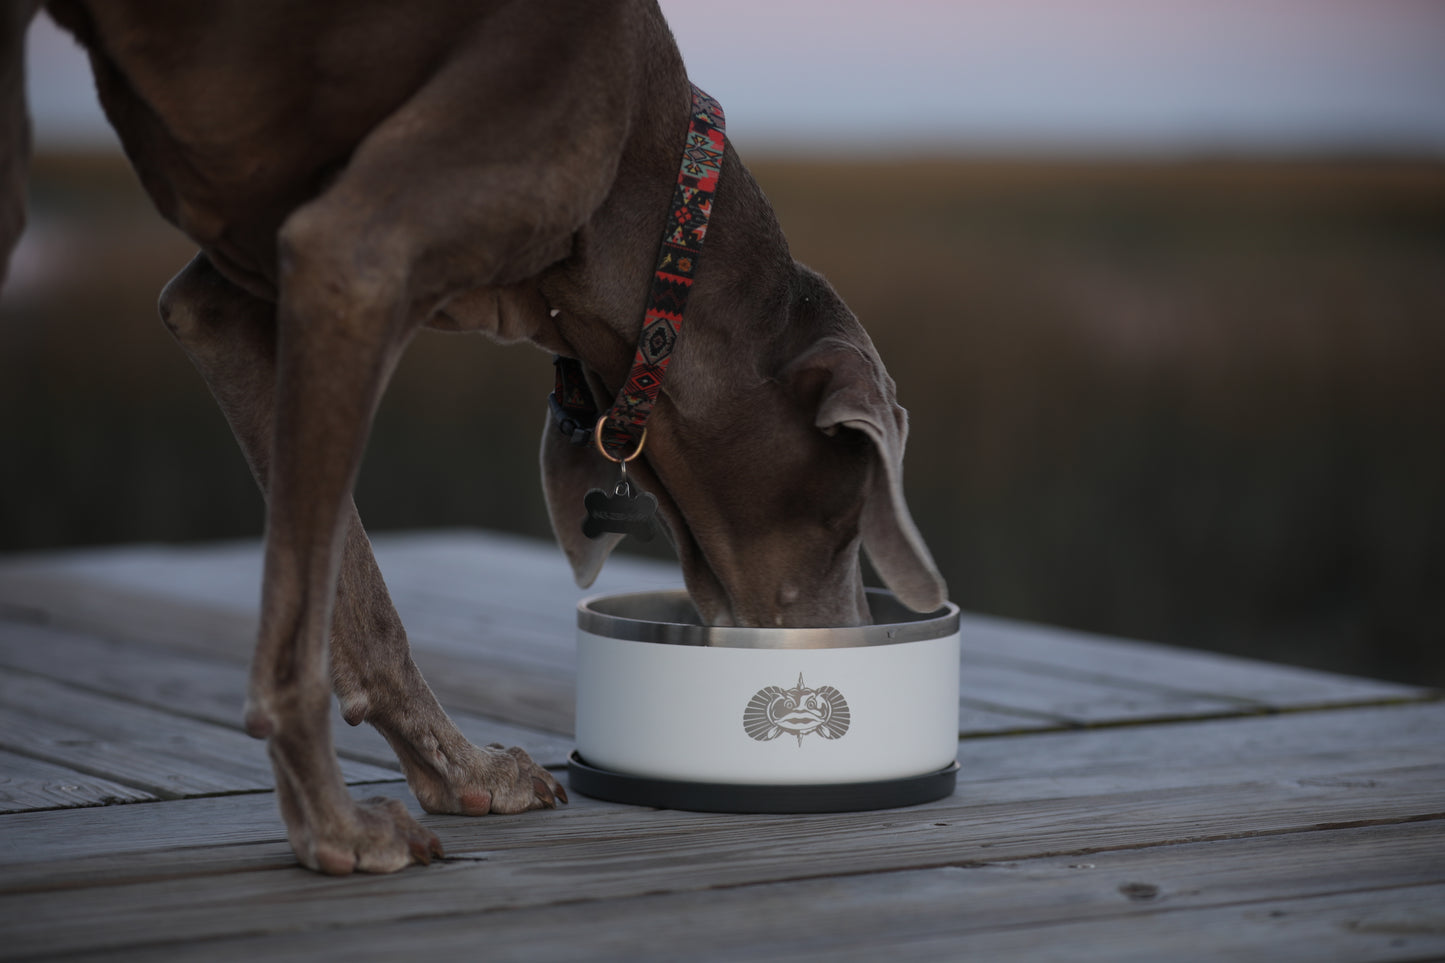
622, 512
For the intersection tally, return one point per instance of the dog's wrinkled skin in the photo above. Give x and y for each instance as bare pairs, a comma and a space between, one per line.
356, 170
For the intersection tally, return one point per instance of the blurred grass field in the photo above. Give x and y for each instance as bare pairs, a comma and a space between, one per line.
1199, 403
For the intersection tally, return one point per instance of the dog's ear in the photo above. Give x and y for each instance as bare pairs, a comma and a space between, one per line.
853, 391
568, 472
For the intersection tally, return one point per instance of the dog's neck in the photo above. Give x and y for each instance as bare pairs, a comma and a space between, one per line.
622, 430
594, 300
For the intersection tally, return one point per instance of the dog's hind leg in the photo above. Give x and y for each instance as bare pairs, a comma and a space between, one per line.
231, 338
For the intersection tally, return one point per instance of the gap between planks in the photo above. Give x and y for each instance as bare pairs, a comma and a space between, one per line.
887, 903
1361, 758
1174, 786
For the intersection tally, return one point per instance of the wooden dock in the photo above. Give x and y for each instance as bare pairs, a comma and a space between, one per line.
1117, 800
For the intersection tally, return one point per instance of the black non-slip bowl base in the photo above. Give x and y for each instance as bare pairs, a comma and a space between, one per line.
721, 797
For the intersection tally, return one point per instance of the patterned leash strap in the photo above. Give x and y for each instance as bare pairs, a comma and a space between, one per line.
621, 432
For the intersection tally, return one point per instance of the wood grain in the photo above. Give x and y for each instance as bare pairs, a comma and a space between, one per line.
1371, 895
153, 751
213, 689
610, 857
1080, 655
1363, 752
1116, 801
27, 784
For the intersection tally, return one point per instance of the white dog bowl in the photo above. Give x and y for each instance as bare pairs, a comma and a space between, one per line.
677, 714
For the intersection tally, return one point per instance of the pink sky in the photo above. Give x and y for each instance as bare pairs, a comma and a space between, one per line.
1114, 75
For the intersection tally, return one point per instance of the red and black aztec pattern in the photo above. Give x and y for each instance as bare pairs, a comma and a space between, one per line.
677, 263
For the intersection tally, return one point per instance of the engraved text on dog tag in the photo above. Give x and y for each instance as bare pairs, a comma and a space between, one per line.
622, 511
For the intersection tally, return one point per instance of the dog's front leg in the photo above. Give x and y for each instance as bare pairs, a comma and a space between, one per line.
231, 338
300, 408
337, 343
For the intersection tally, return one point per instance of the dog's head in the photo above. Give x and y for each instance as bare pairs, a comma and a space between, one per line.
772, 459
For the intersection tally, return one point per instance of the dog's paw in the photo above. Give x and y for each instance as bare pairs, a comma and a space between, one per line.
492, 779
375, 836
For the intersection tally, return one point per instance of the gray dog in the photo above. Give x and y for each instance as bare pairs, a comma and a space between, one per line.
354, 170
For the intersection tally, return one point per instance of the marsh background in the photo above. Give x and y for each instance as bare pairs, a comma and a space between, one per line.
1191, 398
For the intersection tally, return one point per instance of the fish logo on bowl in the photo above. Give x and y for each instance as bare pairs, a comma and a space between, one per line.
799, 711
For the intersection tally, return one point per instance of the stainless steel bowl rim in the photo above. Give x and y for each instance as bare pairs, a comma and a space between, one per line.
668, 617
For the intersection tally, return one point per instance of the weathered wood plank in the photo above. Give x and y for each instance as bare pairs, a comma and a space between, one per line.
439, 578
525, 582
190, 601
480, 631
125, 832
531, 697
669, 851
1308, 752
1080, 655
1373, 927
1079, 701
1282, 831
447, 576
210, 688
465, 650
437, 590
163, 754
555, 860
84, 604
604, 852
1303, 746
538, 692
612, 850
491, 620
451, 566
470, 684
213, 689
993, 697
219, 834
982, 719
1396, 926
459, 564
506, 688
226, 574
466, 653
27, 784
1305, 896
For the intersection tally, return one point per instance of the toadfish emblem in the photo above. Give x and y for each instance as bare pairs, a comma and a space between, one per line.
798, 712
